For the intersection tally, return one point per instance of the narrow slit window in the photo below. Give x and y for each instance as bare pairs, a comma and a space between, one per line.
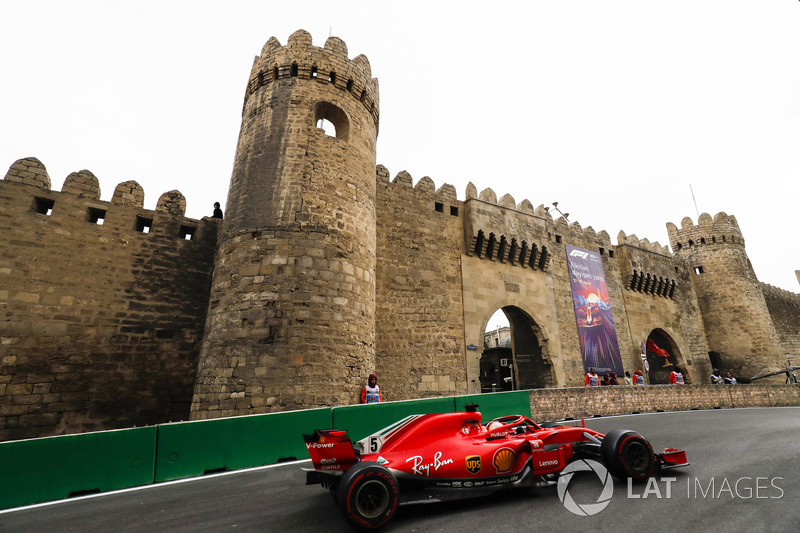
144, 224
187, 233
43, 206
313, 72
97, 216
698, 270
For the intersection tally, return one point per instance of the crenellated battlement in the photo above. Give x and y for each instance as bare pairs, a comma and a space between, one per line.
79, 200
645, 244
328, 65
722, 229
788, 298
425, 186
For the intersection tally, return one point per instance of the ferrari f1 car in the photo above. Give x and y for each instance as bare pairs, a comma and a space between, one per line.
433, 457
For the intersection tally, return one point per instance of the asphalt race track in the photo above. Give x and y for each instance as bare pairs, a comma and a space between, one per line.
743, 477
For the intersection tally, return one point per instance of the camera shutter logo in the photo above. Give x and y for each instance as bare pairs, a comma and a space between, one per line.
586, 509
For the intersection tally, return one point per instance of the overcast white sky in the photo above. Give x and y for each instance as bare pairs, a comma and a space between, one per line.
612, 108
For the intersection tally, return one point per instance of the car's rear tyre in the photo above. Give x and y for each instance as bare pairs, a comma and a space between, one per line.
627, 453
368, 495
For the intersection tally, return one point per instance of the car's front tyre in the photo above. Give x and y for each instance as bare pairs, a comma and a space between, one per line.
368, 495
627, 453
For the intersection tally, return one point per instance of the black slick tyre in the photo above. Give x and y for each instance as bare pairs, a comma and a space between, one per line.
627, 453
368, 495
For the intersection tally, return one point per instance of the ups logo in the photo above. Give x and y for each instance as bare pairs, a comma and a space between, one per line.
473, 464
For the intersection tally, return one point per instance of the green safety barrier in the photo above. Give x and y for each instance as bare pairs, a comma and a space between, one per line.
363, 420
188, 449
497, 404
54, 468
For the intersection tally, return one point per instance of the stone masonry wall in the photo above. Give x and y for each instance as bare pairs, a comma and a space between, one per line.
660, 297
100, 324
586, 402
784, 308
418, 317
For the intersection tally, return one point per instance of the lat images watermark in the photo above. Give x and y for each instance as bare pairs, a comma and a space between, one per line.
694, 488
743, 488
587, 509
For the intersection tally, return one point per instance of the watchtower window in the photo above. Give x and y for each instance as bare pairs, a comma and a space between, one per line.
611, 253
558, 239
453, 211
313, 72
327, 125
43, 206
143, 224
439, 207
327, 112
332, 77
293, 72
187, 232
275, 73
698, 270
97, 216
349, 85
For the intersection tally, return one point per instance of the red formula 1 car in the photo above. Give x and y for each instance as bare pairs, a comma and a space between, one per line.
424, 458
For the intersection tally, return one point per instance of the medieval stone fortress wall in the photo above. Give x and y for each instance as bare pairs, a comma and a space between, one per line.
101, 304
327, 268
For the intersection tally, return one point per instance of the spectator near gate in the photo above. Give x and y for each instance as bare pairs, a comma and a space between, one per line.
591, 379
371, 393
676, 377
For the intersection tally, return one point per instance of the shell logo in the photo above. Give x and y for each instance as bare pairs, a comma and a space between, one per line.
503, 459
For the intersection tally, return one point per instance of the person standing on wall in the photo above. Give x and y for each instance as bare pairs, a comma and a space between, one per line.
217, 211
371, 393
638, 378
716, 379
627, 380
729, 379
676, 378
591, 379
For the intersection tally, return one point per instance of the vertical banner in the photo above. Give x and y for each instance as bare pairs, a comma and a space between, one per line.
596, 331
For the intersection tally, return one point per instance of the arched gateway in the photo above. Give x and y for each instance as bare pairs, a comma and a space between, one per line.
514, 358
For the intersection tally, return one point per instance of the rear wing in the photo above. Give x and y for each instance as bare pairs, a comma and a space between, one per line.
330, 449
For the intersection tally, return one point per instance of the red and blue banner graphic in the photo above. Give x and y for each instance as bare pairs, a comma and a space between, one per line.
598, 337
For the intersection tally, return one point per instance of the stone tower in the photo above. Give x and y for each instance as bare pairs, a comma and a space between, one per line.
291, 321
736, 319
